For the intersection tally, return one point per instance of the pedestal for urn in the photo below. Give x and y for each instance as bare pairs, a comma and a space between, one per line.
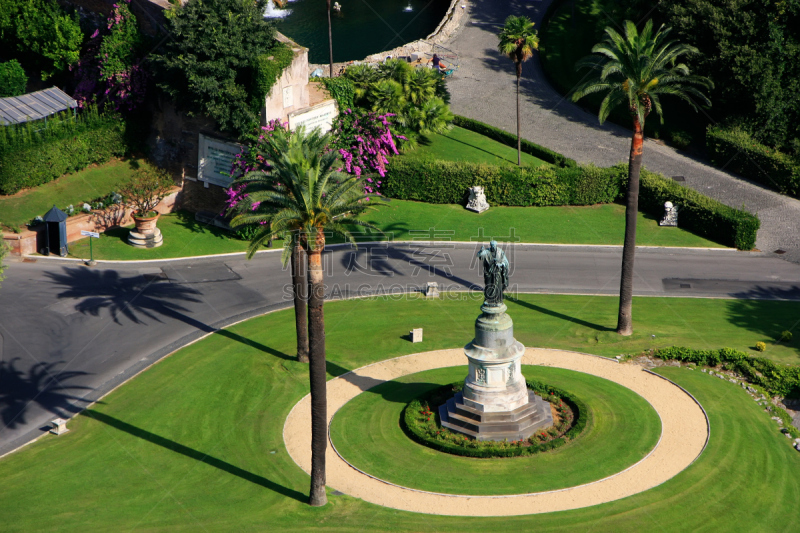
495, 403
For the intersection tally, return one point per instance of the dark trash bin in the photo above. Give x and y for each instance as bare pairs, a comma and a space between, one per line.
55, 232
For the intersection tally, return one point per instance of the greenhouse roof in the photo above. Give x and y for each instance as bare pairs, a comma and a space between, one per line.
33, 106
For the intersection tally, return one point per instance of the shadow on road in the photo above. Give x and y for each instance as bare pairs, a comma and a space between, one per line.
43, 385
196, 455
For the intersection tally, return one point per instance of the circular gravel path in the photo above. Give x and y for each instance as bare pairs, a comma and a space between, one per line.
684, 435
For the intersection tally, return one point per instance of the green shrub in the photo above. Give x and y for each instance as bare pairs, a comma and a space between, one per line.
29, 158
12, 79
342, 90
761, 346
786, 336
681, 139
776, 379
696, 212
267, 69
510, 139
736, 150
447, 182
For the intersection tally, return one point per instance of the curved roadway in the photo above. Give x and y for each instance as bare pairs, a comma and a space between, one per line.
69, 333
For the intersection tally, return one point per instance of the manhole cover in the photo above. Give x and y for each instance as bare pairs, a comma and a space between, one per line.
779, 251
686, 285
679, 178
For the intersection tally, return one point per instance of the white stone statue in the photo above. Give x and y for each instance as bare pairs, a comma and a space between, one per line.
670, 215
477, 200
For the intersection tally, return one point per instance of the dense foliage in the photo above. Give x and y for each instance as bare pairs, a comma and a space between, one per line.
736, 150
433, 181
421, 423
341, 89
41, 28
12, 79
216, 60
32, 154
775, 378
751, 50
110, 70
416, 96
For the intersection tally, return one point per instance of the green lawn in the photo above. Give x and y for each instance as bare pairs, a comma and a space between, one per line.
188, 444
617, 415
405, 220
460, 144
84, 186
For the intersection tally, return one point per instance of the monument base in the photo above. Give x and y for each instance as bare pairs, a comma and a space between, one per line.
145, 240
518, 424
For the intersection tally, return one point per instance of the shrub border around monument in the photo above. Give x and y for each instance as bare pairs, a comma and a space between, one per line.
447, 182
490, 449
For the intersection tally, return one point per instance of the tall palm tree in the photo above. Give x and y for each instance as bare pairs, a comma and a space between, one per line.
518, 40
330, 39
635, 70
306, 197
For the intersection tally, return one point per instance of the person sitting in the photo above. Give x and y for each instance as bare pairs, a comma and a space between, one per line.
437, 63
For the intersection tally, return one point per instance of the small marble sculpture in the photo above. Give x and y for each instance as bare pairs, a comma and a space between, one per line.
477, 200
670, 215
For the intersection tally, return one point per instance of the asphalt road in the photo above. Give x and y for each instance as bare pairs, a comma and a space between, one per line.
69, 333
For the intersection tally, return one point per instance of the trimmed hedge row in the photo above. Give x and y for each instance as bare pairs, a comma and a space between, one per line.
776, 379
509, 139
29, 158
448, 182
502, 449
736, 150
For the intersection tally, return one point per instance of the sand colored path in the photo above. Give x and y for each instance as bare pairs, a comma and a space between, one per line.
684, 435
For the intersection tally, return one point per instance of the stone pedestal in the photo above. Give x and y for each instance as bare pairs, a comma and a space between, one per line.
495, 403
146, 240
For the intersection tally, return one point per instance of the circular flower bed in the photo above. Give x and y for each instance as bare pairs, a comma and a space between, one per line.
421, 422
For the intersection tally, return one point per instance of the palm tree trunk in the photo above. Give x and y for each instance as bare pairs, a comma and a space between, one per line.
300, 282
625, 318
317, 373
330, 39
519, 138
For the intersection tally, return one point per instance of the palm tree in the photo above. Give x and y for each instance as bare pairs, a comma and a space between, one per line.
635, 70
330, 39
305, 197
518, 40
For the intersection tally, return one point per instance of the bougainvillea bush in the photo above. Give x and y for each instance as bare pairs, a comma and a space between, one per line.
110, 70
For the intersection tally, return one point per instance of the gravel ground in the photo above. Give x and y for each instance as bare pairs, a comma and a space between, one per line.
484, 87
684, 432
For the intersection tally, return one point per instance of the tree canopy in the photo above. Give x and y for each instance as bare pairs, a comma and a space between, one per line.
215, 57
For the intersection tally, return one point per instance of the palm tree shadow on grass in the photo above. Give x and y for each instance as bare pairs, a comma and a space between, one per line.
560, 316
194, 454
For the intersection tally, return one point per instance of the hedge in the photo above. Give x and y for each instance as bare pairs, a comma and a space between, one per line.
448, 182
510, 139
736, 150
29, 158
776, 379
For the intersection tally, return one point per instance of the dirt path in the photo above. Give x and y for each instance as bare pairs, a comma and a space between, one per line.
684, 435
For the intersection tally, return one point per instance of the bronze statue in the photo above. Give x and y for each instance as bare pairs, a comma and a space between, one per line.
495, 274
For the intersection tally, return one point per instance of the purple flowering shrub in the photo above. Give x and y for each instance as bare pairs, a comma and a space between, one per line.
109, 71
365, 142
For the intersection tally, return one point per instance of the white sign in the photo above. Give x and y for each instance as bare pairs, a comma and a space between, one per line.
215, 160
94, 234
319, 116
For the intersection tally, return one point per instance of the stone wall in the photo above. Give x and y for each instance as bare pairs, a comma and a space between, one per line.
290, 92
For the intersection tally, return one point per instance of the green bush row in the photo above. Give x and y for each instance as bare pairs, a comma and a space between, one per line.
776, 379
736, 150
30, 157
488, 449
509, 139
448, 182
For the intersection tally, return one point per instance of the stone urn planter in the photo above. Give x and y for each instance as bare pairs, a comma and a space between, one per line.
142, 194
146, 224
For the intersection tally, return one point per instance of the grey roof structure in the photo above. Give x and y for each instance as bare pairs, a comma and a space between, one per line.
34, 106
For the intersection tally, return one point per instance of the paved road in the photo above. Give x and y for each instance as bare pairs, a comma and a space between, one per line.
484, 89
68, 333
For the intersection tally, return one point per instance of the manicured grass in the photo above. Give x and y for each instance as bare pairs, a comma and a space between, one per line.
460, 144
600, 224
616, 415
84, 186
183, 237
187, 445
405, 220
